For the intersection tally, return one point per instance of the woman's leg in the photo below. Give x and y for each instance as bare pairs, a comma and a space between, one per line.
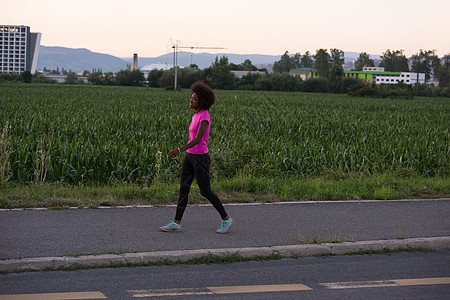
201, 164
187, 176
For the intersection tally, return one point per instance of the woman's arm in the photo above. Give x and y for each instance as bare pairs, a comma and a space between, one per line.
198, 138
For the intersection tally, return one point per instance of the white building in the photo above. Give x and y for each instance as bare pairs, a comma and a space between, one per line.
150, 67
373, 69
240, 74
19, 49
405, 77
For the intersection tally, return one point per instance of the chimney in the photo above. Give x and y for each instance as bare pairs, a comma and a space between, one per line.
135, 61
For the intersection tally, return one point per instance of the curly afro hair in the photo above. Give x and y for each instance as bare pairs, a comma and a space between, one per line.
206, 96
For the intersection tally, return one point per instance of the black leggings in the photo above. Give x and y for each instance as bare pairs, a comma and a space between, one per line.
197, 165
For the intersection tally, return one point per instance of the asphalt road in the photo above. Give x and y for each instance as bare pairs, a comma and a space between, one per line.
25, 234
421, 275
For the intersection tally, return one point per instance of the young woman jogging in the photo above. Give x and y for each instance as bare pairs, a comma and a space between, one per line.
197, 161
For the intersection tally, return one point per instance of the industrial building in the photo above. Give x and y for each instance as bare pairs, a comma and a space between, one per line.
379, 76
375, 75
19, 49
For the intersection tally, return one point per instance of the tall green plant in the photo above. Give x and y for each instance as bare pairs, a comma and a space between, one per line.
42, 159
5, 144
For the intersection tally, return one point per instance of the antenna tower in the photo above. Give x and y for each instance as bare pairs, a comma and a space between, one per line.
177, 46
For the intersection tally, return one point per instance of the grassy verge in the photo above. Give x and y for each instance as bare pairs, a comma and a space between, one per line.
240, 189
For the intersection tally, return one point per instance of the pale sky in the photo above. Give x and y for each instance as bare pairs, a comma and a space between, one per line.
146, 27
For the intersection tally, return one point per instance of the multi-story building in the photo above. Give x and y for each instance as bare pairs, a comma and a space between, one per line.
379, 76
19, 49
396, 77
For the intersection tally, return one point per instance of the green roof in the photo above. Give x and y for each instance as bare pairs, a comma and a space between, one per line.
366, 72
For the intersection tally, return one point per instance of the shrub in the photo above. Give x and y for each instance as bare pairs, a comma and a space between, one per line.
315, 85
350, 84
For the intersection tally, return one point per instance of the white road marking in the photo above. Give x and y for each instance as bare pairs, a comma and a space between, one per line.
169, 292
386, 283
55, 296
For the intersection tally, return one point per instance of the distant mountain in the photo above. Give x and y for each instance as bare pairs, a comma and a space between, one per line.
78, 60
204, 60
349, 56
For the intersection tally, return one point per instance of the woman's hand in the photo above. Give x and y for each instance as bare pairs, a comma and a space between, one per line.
174, 153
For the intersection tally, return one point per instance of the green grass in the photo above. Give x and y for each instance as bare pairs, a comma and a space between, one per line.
240, 189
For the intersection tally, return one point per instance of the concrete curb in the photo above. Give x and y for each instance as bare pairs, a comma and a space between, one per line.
145, 258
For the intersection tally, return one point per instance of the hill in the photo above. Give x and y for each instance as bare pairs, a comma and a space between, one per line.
204, 60
78, 60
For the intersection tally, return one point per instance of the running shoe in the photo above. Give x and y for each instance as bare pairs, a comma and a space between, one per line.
172, 226
225, 225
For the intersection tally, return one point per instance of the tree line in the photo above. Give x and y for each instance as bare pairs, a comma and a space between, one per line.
327, 68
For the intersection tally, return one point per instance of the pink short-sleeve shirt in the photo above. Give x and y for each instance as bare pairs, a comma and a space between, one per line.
202, 147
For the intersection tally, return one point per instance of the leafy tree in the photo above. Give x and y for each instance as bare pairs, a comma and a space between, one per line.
263, 84
236, 67
187, 77
350, 84
436, 64
248, 81
55, 72
444, 73
71, 78
363, 60
284, 82
296, 60
167, 79
248, 66
95, 78
11, 77
284, 64
153, 77
422, 62
126, 77
39, 78
221, 76
336, 71
315, 85
306, 61
322, 62
109, 78
245, 66
337, 57
394, 61
335, 78
27, 77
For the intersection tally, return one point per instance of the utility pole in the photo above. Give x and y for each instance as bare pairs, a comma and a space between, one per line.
175, 47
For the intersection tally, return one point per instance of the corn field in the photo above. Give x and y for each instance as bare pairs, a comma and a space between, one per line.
102, 135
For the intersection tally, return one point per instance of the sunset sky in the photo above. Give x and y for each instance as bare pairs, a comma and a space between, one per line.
146, 27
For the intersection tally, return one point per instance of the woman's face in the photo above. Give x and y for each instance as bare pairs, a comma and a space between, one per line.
193, 103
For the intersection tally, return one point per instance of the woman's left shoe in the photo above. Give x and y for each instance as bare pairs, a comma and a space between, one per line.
225, 225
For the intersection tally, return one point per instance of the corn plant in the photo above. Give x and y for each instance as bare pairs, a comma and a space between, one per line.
4, 153
113, 134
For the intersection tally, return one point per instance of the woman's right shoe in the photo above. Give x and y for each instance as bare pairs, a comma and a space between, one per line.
172, 226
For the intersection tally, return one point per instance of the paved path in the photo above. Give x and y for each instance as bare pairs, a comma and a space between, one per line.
28, 234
